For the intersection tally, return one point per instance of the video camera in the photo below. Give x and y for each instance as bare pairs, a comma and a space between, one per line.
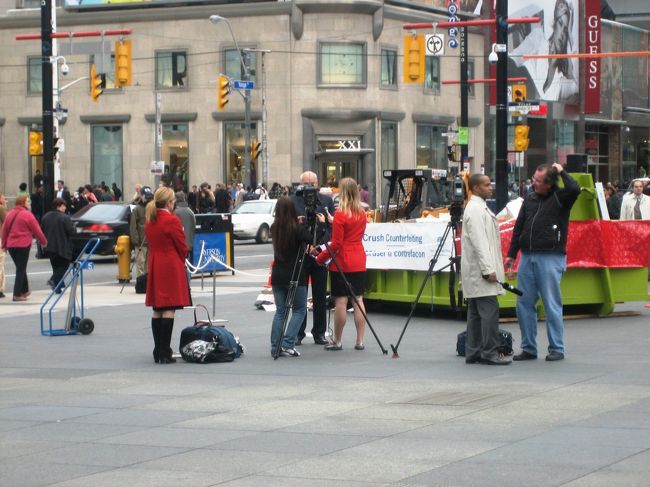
457, 198
309, 195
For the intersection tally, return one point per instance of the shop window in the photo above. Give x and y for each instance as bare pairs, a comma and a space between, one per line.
432, 74
175, 153
431, 147
342, 64
563, 139
107, 155
34, 75
388, 68
235, 137
171, 69
388, 145
234, 68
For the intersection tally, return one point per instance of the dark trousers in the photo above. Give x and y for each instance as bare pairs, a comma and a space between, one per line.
20, 256
59, 266
482, 328
318, 276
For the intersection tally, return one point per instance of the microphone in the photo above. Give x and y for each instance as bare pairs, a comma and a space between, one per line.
506, 286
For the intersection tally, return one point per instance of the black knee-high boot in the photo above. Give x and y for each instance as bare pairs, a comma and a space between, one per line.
167, 328
156, 329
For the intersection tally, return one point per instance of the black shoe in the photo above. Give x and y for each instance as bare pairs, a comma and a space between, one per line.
554, 356
497, 361
51, 283
472, 360
298, 342
321, 340
524, 355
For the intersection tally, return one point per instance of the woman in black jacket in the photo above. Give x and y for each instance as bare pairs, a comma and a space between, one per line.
57, 227
288, 235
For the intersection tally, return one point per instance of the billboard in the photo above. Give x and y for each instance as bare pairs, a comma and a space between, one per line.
557, 33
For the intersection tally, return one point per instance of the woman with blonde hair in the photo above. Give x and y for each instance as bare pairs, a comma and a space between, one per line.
348, 227
18, 230
167, 285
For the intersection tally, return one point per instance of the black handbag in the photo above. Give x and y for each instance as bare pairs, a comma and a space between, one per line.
505, 343
205, 342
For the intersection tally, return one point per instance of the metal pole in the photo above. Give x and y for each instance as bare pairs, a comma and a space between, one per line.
501, 160
265, 147
55, 103
48, 127
247, 173
159, 133
464, 92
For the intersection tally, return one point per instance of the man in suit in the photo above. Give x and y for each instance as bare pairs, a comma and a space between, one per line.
317, 273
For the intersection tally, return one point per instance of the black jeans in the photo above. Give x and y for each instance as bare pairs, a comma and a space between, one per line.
20, 256
59, 266
318, 276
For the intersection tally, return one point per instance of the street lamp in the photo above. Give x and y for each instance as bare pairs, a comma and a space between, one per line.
215, 19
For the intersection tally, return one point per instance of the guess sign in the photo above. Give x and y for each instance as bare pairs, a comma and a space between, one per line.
592, 46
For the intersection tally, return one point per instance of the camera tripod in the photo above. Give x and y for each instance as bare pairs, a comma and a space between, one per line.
452, 229
351, 295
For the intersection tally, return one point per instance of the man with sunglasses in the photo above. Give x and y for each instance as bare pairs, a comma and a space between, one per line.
541, 234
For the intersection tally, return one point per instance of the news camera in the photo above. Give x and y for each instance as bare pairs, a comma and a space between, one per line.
457, 199
309, 195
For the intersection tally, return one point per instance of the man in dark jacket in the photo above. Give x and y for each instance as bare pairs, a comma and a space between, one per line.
317, 273
541, 234
57, 227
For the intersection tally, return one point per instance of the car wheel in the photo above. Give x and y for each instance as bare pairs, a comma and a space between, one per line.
262, 234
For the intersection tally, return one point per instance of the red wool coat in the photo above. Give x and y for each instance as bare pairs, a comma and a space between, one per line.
347, 243
167, 284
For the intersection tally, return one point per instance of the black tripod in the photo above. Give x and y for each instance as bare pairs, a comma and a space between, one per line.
351, 295
451, 229
293, 286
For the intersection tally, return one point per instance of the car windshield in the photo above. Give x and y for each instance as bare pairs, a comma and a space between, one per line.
258, 208
103, 213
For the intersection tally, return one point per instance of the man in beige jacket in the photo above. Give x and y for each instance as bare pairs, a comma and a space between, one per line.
481, 269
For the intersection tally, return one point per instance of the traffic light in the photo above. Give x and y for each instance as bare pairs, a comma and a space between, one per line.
35, 143
123, 63
97, 83
223, 90
518, 93
521, 137
255, 150
414, 59
55, 147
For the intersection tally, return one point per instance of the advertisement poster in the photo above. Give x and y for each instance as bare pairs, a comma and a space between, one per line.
406, 246
557, 33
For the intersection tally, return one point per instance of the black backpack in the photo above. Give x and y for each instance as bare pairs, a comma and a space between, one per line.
207, 343
505, 343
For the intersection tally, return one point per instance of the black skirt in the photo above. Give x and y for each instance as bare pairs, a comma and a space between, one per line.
357, 282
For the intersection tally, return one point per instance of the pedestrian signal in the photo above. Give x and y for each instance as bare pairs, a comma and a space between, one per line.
35, 143
414, 59
521, 137
518, 93
123, 71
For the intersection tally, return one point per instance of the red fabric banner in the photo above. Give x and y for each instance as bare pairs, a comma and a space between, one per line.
599, 243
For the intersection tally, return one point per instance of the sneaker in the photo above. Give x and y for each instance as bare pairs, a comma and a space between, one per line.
289, 352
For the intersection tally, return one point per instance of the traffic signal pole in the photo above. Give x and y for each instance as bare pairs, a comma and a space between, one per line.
47, 103
501, 156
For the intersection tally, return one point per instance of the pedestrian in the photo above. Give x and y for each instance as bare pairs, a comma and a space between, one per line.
613, 202
261, 192
79, 200
541, 232
240, 194
18, 230
58, 229
346, 246
167, 285
317, 274
222, 200
37, 201
38, 179
117, 192
3, 216
63, 193
137, 195
90, 194
22, 189
637, 205
364, 194
187, 218
289, 235
137, 222
193, 199
275, 191
482, 268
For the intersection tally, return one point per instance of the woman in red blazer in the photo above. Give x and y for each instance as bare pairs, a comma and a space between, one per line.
167, 285
348, 227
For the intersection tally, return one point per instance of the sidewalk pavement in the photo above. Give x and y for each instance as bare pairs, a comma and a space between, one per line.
95, 410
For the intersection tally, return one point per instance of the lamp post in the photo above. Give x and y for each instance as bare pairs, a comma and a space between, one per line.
246, 170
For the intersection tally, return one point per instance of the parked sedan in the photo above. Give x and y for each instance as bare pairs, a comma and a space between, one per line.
105, 220
253, 219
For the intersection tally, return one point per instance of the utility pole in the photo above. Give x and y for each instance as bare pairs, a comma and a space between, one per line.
501, 159
48, 116
265, 147
159, 139
247, 175
464, 93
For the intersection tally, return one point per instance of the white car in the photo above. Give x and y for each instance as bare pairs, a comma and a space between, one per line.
253, 219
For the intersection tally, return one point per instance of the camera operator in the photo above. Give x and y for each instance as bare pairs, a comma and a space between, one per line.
324, 209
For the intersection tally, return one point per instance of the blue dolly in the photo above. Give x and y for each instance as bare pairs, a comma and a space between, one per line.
75, 322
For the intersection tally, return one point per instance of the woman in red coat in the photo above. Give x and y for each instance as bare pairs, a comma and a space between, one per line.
167, 286
348, 227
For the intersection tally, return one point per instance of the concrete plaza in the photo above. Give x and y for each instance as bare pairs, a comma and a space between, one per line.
96, 411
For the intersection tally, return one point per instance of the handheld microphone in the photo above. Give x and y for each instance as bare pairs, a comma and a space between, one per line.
506, 286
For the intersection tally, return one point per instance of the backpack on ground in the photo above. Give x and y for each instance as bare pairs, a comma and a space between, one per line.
505, 343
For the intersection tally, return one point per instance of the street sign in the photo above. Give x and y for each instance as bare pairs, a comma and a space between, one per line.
523, 106
244, 85
434, 45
